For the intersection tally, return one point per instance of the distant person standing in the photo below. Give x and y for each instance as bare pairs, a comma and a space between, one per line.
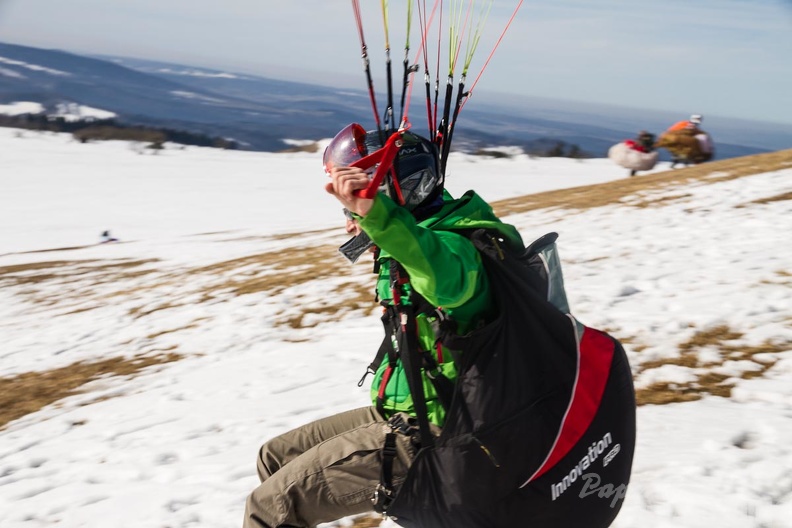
687, 142
106, 237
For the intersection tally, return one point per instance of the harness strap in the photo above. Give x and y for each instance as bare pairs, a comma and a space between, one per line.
384, 494
389, 319
401, 342
377, 361
444, 387
442, 326
411, 359
386, 347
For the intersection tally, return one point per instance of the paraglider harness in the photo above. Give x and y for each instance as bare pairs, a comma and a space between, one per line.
401, 342
540, 399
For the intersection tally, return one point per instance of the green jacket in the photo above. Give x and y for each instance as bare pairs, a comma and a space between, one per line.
445, 268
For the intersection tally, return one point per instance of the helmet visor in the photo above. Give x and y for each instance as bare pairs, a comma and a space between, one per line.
347, 147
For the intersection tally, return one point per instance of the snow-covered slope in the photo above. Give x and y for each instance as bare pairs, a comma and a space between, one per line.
226, 274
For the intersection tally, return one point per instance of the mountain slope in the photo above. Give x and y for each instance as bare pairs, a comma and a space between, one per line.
260, 112
51, 76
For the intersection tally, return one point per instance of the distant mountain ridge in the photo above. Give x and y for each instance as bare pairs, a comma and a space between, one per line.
259, 113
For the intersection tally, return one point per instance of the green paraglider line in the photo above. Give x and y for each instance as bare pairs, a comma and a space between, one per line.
486, 63
461, 94
441, 132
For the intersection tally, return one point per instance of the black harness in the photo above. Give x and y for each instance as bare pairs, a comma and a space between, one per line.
401, 344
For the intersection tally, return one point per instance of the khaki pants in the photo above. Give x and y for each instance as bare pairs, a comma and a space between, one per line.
323, 471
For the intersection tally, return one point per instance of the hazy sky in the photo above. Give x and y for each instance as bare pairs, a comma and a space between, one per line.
720, 57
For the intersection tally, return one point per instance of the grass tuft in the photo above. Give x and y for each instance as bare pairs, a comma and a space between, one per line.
724, 340
29, 392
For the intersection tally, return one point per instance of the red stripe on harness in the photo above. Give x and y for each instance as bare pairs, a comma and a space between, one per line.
595, 356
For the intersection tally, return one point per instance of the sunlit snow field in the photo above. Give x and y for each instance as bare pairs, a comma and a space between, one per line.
216, 252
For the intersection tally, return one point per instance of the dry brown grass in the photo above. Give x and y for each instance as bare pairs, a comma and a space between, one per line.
310, 147
31, 391
778, 198
277, 237
340, 301
367, 522
79, 285
194, 324
273, 271
610, 193
53, 250
715, 336
24, 273
140, 311
69, 270
723, 339
276, 271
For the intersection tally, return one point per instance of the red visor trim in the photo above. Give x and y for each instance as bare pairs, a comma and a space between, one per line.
384, 157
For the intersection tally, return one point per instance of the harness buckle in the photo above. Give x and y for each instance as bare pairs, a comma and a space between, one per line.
382, 498
407, 427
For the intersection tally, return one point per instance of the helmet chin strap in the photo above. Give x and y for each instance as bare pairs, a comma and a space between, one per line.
397, 188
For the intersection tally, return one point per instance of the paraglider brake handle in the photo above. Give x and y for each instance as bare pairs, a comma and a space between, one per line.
384, 157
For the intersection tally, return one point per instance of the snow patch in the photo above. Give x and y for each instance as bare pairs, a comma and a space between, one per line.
199, 73
33, 67
77, 112
192, 95
21, 108
11, 73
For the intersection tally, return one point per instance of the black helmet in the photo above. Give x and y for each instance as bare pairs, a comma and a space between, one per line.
418, 181
417, 168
